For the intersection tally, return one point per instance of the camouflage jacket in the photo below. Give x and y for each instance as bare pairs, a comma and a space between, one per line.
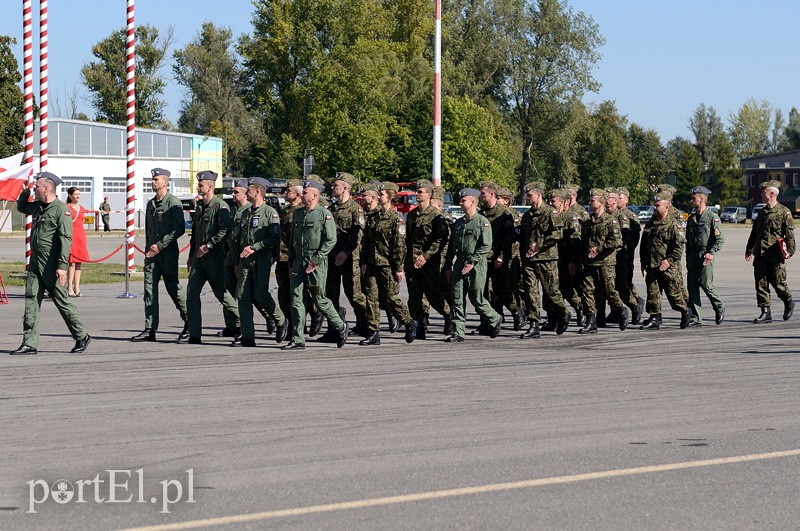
569, 246
542, 226
286, 214
662, 239
631, 229
350, 222
384, 240
770, 225
603, 233
426, 235
503, 234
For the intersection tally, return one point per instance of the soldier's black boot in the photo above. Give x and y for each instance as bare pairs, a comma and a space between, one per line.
359, 329
686, 317
550, 325
270, 325
563, 323
518, 318
449, 329
148, 334
341, 336
637, 311
652, 323
788, 309
422, 330
580, 317
184, 335
600, 320
591, 325
411, 331
765, 317
622, 318
394, 324
533, 331
228, 332
719, 315
373, 338
316, 323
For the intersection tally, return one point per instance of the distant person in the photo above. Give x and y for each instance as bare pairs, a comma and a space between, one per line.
105, 208
51, 239
79, 252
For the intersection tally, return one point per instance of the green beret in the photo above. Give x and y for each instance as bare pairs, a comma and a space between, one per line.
488, 184
599, 192
539, 187
666, 188
438, 193
425, 183
505, 192
294, 182
662, 196
347, 178
623, 191
389, 185
771, 184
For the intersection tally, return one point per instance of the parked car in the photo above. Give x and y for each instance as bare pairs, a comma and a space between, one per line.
521, 208
645, 213
733, 214
634, 209
756, 209
455, 211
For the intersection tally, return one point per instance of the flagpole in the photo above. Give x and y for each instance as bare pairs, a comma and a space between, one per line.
43, 97
130, 102
437, 97
27, 52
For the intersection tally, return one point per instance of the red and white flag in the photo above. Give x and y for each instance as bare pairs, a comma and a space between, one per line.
13, 177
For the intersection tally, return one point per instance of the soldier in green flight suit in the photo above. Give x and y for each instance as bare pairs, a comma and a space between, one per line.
163, 225
259, 234
770, 244
313, 238
293, 196
51, 240
660, 253
541, 230
465, 266
206, 262
600, 239
382, 255
704, 239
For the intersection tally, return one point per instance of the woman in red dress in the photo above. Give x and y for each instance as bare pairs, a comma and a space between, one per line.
78, 252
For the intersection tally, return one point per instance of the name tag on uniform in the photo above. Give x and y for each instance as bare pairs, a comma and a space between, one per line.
254, 221
309, 224
470, 231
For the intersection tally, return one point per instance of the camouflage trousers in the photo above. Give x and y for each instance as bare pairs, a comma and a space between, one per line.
671, 283
381, 290
546, 274
348, 275
426, 282
600, 281
770, 273
624, 280
500, 287
569, 285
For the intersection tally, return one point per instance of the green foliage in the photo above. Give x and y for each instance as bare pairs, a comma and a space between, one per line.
750, 128
648, 156
792, 131
12, 104
724, 175
688, 173
707, 127
105, 78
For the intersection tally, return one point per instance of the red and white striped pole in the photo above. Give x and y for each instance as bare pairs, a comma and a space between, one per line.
27, 62
437, 98
43, 98
130, 82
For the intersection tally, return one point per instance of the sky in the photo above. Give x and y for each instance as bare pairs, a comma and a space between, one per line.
659, 62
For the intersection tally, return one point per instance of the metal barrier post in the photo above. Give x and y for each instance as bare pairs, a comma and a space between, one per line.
127, 294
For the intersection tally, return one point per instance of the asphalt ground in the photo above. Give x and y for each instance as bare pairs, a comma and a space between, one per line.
689, 429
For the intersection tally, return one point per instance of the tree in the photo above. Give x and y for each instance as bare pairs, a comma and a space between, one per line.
105, 78
792, 131
648, 155
688, 174
548, 53
750, 128
12, 103
778, 138
706, 126
209, 69
724, 174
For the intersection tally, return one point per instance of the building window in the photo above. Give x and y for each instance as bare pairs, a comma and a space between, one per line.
114, 185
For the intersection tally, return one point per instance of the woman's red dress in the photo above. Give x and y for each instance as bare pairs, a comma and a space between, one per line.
79, 252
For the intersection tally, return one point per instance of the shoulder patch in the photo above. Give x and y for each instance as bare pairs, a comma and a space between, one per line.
487, 224
328, 216
275, 215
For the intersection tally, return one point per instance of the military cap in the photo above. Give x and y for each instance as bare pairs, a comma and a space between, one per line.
206, 176
314, 177
160, 171
260, 181
294, 182
664, 187
389, 185
376, 183
469, 192
347, 178
438, 193
701, 190
535, 186
369, 187
623, 191
771, 184
47, 175
314, 184
505, 192
599, 192
240, 183
561, 193
488, 184
572, 188
425, 183
662, 196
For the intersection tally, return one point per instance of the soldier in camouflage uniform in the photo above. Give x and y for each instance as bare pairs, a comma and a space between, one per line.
259, 235
540, 232
426, 239
660, 253
600, 240
704, 239
466, 266
514, 266
578, 211
499, 291
771, 243
206, 262
569, 254
382, 255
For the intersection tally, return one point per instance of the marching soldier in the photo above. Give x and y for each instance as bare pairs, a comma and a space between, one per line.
105, 214
600, 239
51, 240
540, 232
703, 240
465, 266
426, 243
345, 269
771, 243
660, 256
513, 268
259, 234
239, 194
293, 195
630, 229
569, 254
499, 291
164, 224
382, 255
206, 262
577, 210
313, 238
